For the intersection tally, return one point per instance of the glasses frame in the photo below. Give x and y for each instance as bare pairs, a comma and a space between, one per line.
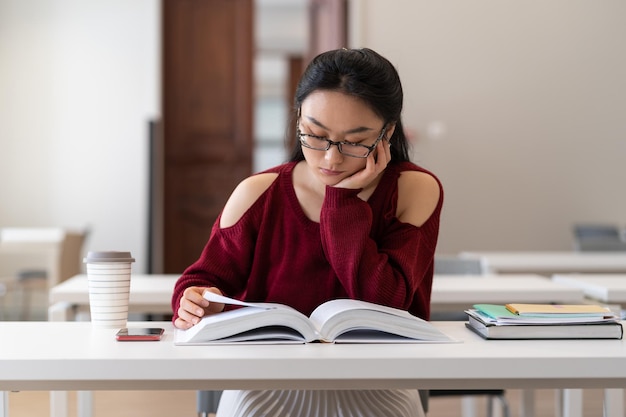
340, 144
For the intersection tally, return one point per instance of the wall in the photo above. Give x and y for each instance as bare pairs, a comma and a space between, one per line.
518, 107
79, 81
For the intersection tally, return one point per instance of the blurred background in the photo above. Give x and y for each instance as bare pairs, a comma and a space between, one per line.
134, 120
518, 107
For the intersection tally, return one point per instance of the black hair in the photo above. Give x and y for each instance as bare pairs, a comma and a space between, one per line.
361, 73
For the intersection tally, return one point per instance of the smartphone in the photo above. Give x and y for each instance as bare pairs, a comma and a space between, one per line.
138, 334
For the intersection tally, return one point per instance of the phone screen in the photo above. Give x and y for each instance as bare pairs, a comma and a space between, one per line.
143, 333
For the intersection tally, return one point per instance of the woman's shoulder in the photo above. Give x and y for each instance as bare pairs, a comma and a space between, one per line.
248, 192
420, 194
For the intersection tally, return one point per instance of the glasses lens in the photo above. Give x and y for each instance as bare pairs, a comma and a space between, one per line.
314, 142
355, 150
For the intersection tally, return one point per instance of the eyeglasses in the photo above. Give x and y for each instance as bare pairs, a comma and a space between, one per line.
355, 150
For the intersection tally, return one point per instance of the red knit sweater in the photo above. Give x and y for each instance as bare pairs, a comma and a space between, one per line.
359, 249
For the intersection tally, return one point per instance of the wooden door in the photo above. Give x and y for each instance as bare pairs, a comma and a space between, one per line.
207, 118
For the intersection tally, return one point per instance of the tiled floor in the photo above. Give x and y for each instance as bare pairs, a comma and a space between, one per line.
183, 404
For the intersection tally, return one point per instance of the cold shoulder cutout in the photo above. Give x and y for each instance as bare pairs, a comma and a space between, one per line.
243, 197
418, 197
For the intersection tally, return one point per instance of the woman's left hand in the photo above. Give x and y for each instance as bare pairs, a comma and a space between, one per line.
376, 163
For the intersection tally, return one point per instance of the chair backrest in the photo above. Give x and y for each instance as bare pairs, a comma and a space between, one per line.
3, 292
582, 231
454, 265
598, 238
72, 253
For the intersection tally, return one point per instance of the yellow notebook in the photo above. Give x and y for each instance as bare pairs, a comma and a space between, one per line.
552, 310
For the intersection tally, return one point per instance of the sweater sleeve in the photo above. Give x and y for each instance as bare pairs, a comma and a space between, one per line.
395, 269
227, 257
224, 262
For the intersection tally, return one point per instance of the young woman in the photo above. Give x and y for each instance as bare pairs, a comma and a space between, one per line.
349, 216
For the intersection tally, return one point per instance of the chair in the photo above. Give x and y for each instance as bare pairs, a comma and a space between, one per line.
598, 238
3, 292
49, 256
207, 402
452, 265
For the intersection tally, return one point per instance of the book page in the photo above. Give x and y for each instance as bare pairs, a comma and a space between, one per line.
252, 323
326, 311
216, 298
338, 320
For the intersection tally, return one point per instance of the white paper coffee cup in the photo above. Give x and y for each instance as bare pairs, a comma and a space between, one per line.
109, 274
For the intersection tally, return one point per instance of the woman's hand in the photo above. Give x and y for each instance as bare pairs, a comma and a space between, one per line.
193, 306
376, 163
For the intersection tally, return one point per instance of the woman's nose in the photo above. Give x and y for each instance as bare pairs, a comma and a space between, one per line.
333, 154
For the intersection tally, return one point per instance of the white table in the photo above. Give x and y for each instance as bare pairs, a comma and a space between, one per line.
90, 359
152, 293
459, 292
607, 288
149, 293
551, 262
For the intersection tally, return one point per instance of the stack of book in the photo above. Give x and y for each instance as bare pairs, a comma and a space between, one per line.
544, 321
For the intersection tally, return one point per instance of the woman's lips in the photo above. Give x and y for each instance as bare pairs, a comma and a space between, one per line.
330, 172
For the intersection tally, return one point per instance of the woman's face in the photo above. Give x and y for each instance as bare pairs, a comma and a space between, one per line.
339, 118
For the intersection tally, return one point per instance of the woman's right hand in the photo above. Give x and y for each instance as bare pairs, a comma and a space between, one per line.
193, 306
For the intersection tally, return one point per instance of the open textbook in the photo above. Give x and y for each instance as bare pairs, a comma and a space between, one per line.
335, 321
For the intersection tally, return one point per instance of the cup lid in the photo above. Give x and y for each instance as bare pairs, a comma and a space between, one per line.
108, 256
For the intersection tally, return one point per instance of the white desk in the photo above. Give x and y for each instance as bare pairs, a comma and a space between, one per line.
90, 359
152, 294
459, 292
607, 288
148, 294
551, 262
